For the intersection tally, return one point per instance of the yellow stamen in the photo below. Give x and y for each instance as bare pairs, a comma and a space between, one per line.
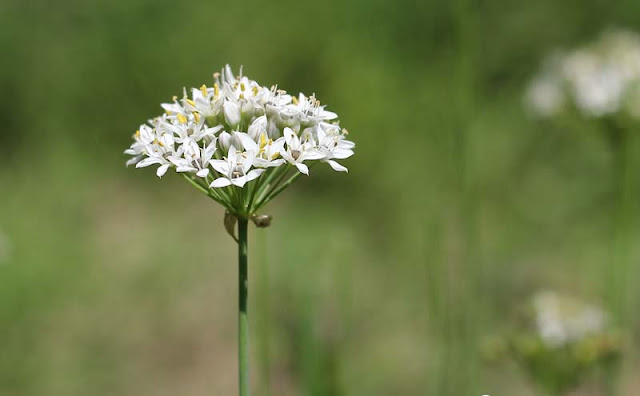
182, 119
197, 116
263, 141
242, 87
294, 100
255, 91
203, 88
137, 134
216, 89
191, 102
174, 98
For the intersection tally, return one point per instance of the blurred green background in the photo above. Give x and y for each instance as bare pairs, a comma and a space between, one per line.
384, 281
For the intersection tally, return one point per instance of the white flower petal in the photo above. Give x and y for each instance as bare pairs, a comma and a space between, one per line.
181, 169
313, 155
220, 182
227, 75
328, 115
240, 181
162, 170
225, 140
220, 166
148, 161
231, 112
288, 157
340, 153
258, 126
134, 160
209, 151
302, 168
289, 135
247, 142
336, 166
202, 172
254, 174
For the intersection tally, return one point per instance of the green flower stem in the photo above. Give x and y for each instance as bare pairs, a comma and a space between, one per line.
278, 190
222, 192
243, 320
203, 189
261, 192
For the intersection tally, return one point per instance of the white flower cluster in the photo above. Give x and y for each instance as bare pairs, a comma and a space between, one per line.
237, 131
561, 319
600, 79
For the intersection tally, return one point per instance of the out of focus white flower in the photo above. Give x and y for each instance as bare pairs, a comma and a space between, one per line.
545, 96
596, 83
600, 79
561, 319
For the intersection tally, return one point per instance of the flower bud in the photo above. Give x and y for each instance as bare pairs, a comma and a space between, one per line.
246, 109
258, 126
261, 221
225, 141
272, 130
231, 113
236, 142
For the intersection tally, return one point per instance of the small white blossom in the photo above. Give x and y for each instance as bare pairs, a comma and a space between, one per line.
561, 319
298, 151
599, 79
332, 145
269, 151
235, 169
545, 96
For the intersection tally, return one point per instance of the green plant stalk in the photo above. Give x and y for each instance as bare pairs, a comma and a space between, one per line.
621, 220
204, 190
263, 316
464, 319
611, 374
265, 187
272, 194
243, 319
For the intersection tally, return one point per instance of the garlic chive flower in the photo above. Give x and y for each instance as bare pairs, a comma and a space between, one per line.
601, 79
561, 320
240, 142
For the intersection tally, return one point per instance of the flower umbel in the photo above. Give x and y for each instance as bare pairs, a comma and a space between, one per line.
598, 80
239, 142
